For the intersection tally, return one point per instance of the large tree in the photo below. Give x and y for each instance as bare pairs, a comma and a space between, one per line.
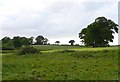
39, 40
99, 33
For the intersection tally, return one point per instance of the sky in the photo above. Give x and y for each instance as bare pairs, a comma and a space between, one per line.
57, 20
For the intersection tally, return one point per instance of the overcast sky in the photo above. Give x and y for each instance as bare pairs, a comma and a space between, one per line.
54, 19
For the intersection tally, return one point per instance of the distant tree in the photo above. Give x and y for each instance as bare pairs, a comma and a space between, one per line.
5, 40
39, 40
45, 41
57, 42
72, 42
99, 33
17, 42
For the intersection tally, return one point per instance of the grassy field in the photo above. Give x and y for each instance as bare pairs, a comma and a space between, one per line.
62, 63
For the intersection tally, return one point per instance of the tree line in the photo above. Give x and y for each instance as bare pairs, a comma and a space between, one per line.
97, 34
17, 42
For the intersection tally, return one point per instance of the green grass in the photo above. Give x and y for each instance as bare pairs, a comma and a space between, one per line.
54, 47
63, 63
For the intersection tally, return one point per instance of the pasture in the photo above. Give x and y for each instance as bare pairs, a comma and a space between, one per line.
62, 63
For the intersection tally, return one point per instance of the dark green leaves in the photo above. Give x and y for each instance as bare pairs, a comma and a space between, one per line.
99, 33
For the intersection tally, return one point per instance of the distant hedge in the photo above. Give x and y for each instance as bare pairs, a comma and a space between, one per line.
7, 47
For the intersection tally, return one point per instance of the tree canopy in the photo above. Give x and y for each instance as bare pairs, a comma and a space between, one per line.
99, 33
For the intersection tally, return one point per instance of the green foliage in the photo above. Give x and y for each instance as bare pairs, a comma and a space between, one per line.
99, 33
16, 42
28, 50
25, 41
8, 46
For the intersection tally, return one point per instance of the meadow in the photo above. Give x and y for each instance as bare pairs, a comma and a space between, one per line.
62, 63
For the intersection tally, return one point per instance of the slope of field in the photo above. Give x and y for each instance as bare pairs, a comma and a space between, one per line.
52, 48
65, 63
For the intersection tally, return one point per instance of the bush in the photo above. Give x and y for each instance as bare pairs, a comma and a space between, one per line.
28, 50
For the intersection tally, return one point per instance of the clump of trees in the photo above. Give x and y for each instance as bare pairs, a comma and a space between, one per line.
17, 42
99, 33
7, 43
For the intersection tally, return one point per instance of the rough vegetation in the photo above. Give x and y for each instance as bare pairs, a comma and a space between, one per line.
67, 64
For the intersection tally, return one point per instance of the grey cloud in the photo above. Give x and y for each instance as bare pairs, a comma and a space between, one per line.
60, 19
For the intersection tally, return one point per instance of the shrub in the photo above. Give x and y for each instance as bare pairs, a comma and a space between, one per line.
28, 50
